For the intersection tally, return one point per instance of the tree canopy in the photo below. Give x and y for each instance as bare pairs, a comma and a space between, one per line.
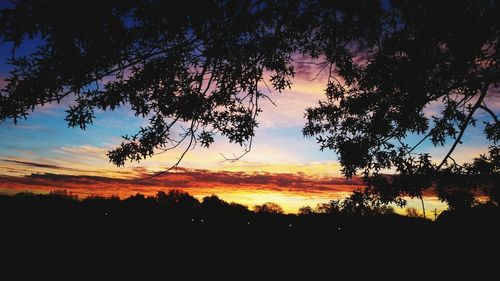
426, 52
202, 68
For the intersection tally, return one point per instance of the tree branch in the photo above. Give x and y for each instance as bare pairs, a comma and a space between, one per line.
484, 91
118, 69
190, 133
420, 142
483, 107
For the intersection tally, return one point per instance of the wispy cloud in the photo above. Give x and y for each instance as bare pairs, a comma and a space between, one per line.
83, 150
18, 166
39, 165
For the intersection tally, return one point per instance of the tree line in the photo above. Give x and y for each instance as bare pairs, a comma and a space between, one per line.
180, 210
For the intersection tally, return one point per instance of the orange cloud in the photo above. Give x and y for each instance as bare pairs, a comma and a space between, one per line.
290, 190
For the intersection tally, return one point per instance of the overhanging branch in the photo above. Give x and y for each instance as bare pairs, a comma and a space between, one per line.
464, 125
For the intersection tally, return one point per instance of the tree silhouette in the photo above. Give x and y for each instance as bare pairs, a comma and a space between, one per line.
306, 210
177, 200
412, 212
200, 71
197, 69
193, 71
332, 207
218, 211
364, 204
426, 53
269, 208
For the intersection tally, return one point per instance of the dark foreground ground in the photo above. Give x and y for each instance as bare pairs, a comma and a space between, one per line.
62, 233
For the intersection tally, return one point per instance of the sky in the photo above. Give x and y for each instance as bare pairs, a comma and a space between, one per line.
41, 154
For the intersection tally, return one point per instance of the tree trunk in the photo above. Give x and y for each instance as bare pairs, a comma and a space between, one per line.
423, 205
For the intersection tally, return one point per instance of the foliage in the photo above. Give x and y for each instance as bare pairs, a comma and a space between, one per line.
359, 203
269, 208
332, 207
306, 210
412, 212
426, 54
176, 199
196, 71
200, 72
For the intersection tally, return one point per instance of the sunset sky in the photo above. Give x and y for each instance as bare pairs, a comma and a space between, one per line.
41, 154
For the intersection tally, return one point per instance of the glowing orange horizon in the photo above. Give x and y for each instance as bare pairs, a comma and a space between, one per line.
290, 190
